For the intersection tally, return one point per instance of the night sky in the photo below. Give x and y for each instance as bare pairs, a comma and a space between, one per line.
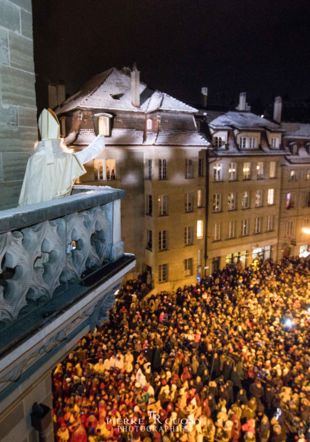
258, 46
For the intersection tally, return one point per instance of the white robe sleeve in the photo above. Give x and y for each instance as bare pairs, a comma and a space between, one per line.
92, 151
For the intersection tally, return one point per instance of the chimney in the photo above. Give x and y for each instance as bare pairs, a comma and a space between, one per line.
277, 109
242, 102
135, 86
204, 92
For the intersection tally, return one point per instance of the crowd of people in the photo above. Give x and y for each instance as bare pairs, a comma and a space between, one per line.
224, 360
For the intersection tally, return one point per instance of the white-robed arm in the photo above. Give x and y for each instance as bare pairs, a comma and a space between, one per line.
92, 151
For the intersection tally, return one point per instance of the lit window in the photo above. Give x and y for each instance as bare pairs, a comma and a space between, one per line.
188, 236
189, 169
99, 170
258, 224
149, 205
149, 240
270, 223
242, 142
244, 227
231, 201
232, 229
272, 169
289, 203
270, 197
163, 205
162, 169
162, 240
217, 232
232, 171
199, 198
188, 266
245, 200
163, 273
199, 229
217, 172
189, 202
149, 124
260, 170
307, 175
246, 170
258, 198
110, 166
293, 176
104, 124
216, 202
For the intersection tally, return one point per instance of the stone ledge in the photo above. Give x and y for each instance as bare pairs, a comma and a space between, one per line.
83, 198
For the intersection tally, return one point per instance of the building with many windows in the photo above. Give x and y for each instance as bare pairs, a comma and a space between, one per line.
156, 154
295, 191
244, 188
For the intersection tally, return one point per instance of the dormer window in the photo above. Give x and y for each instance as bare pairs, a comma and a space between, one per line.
103, 123
218, 142
247, 142
275, 143
293, 148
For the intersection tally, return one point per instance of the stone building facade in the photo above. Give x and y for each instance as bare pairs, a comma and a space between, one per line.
156, 154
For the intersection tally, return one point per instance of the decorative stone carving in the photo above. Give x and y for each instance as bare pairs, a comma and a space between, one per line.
36, 260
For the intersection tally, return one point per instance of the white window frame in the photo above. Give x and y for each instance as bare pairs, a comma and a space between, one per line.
217, 232
232, 229
232, 171
231, 201
217, 172
272, 169
258, 224
246, 170
259, 198
188, 235
245, 200
260, 170
162, 240
162, 169
189, 202
163, 208
189, 168
270, 223
217, 202
163, 272
245, 227
188, 267
270, 196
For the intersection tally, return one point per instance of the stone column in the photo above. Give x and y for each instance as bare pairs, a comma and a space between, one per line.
18, 128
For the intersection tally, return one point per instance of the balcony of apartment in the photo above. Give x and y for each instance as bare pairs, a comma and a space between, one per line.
61, 263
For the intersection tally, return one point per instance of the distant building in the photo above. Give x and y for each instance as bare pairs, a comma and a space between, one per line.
244, 188
155, 152
295, 190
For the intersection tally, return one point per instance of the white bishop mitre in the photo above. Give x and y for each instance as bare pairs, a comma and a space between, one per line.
52, 168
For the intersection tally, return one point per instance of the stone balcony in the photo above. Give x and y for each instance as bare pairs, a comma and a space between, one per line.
60, 265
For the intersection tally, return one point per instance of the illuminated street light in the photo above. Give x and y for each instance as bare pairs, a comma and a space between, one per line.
288, 323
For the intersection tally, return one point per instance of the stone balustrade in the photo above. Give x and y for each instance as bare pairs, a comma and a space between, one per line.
48, 249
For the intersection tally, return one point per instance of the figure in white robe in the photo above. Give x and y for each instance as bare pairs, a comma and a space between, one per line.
53, 168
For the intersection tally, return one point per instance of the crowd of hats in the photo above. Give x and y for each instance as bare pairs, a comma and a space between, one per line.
224, 360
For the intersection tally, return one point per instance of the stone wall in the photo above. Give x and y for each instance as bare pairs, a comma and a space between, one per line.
18, 128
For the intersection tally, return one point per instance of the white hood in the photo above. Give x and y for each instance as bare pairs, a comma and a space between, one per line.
49, 125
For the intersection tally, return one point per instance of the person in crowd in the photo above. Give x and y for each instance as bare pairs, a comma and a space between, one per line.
217, 361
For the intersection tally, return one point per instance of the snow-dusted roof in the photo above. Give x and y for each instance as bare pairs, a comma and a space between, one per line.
132, 137
243, 120
111, 90
296, 130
